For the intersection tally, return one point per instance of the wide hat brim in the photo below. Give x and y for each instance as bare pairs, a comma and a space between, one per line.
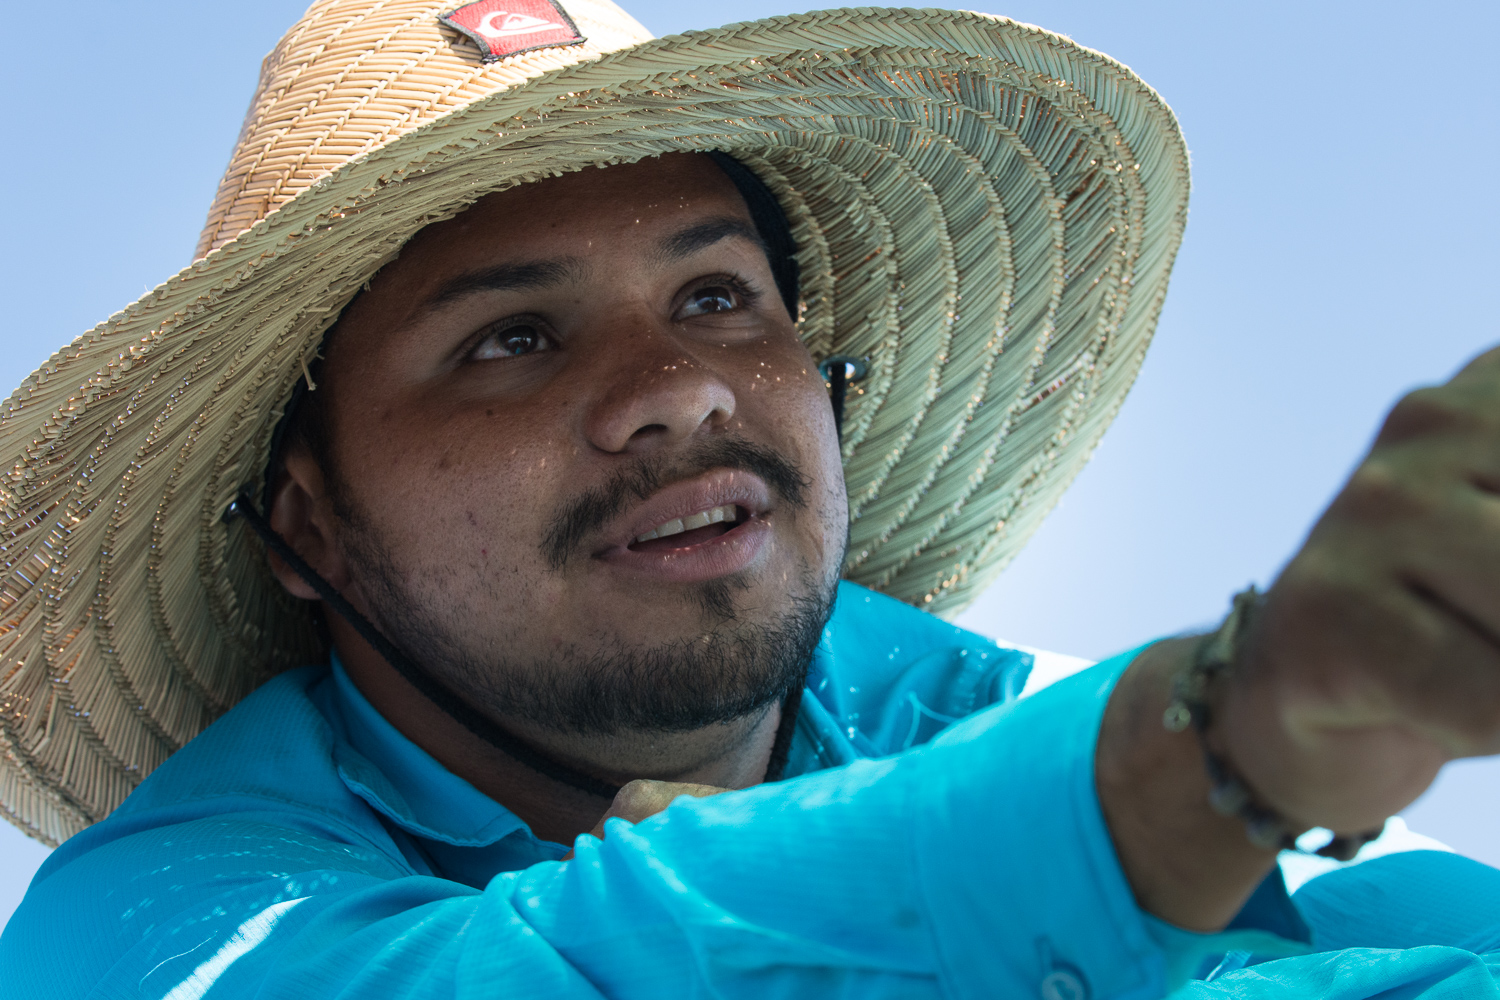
985, 211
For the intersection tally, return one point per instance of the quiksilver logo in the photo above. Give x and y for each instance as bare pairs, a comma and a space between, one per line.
503, 28
503, 24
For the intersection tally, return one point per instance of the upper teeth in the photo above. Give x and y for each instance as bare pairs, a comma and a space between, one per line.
704, 517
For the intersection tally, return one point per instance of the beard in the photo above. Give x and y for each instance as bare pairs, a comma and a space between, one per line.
727, 671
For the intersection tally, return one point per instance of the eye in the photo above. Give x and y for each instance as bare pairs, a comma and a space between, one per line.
510, 340
722, 296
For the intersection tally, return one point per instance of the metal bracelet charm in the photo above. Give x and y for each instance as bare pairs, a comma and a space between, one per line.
1228, 794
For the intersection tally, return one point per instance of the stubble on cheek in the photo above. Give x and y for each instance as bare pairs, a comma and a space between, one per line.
577, 673
452, 572
505, 605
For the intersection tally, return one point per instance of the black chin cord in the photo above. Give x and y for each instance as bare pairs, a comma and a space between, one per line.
838, 371
456, 708
430, 687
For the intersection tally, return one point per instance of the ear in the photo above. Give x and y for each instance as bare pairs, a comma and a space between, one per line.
302, 513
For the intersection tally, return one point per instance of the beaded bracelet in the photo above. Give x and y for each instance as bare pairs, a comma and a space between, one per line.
1228, 794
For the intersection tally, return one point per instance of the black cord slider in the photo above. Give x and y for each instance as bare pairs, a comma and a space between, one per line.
839, 371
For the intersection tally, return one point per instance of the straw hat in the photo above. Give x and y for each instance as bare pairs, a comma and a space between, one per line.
986, 212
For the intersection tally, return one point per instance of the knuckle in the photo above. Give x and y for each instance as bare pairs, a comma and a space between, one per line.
1485, 365
637, 794
1430, 411
1377, 491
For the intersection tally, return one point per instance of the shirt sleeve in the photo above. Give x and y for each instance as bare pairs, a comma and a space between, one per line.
976, 866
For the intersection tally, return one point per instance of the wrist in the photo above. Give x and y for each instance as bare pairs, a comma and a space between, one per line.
1185, 863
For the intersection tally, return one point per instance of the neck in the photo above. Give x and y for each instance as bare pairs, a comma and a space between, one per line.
733, 754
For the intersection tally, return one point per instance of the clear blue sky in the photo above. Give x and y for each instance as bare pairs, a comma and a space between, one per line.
1341, 250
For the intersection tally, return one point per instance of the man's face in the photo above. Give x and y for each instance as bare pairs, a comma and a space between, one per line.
583, 466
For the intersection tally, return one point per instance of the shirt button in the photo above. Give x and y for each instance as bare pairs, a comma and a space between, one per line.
1061, 984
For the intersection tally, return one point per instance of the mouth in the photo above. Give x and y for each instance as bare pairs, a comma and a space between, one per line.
685, 532
695, 530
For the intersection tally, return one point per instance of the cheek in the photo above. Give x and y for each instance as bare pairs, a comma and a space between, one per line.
477, 492
506, 494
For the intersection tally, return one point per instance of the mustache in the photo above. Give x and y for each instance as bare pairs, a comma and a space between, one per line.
594, 508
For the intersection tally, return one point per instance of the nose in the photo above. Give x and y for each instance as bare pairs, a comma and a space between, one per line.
656, 394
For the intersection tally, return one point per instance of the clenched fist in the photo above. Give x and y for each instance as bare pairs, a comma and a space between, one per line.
643, 798
1376, 658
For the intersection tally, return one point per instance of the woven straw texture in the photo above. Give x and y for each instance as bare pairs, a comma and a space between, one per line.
985, 211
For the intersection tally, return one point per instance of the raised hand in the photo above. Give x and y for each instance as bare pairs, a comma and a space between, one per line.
1376, 658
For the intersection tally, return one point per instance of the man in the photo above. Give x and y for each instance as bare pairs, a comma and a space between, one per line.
549, 448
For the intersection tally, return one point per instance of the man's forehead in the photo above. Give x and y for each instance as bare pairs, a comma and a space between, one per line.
667, 206
665, 186
562, 232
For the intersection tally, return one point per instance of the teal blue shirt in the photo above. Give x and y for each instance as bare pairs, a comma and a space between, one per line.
938, 837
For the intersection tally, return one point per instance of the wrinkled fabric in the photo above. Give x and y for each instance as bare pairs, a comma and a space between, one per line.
1425, 924
1430, 972
938, 837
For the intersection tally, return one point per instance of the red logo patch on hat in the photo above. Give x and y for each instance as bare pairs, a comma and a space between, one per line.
506, 27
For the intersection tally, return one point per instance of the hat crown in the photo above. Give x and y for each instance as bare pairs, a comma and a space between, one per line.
352, 75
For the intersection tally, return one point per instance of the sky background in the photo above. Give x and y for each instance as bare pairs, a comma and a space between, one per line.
1341, 251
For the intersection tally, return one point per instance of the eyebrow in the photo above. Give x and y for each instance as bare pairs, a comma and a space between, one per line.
534, 274
522, 276
687, 242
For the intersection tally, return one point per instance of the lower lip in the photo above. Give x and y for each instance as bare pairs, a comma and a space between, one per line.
722, 555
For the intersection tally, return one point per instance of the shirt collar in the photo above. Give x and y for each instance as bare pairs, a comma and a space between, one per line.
407, 785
